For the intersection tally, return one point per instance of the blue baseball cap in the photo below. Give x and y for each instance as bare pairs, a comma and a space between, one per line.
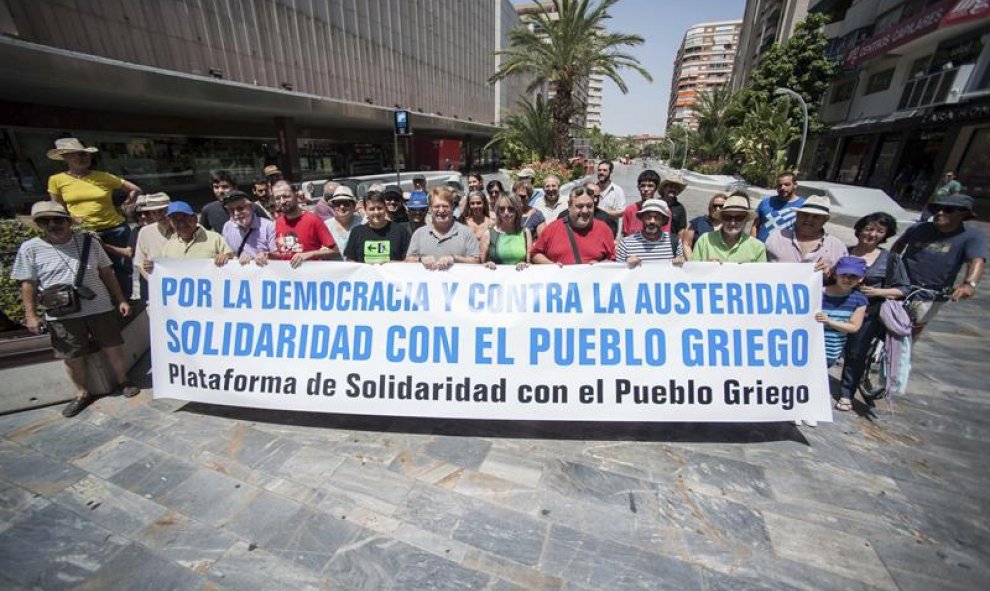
850, 266
179, 207
417, 200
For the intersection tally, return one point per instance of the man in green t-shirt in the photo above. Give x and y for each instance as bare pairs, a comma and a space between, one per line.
730, 244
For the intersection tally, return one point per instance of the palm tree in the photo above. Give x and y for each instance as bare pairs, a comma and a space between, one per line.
763, 139
529, 130
712, 112
571, 47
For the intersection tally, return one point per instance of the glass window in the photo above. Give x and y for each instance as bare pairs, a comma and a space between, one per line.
974, 168
879, 82
842, 91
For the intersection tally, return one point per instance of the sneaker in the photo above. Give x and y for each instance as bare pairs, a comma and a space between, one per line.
128, 389
77, 405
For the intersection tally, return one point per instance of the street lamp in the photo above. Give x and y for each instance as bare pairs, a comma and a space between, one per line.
673, 148
687, 143
804, 110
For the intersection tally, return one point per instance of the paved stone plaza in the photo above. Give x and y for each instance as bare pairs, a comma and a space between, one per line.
160, 494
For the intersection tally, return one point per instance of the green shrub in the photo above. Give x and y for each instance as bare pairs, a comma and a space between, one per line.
12, 234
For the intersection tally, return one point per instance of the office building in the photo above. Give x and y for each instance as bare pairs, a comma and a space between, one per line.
170, 90
704, 61
766, 22
913, 97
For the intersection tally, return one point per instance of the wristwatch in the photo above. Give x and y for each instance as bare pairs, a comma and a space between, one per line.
973, 284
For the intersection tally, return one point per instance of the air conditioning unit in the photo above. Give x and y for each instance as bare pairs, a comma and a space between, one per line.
960, 83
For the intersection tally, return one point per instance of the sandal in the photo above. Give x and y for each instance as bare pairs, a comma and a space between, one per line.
844, 405
128, 389
77, 405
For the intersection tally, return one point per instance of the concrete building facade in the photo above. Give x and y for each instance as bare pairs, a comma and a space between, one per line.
169, 90
766, 22
913, 98
704, 61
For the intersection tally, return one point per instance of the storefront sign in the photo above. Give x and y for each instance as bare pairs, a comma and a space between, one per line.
965, 11
960, 113
705, 342
900, 33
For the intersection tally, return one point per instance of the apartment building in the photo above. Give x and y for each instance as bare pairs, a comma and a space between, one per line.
913, 98
766, 22
704, 61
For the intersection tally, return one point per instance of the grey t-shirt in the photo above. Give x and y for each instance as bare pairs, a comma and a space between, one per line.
52, 264
458, 241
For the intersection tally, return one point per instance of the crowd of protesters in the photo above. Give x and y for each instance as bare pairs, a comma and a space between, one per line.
109, 263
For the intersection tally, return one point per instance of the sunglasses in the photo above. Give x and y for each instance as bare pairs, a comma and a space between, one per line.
506, 209
50, 220
949, 208
734, 218
718, 205
343, 204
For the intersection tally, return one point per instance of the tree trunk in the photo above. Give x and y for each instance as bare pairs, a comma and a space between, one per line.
563, 110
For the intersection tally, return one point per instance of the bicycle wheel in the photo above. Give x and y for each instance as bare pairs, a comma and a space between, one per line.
873, 386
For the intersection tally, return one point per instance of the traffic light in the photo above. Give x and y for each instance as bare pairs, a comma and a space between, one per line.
402, 123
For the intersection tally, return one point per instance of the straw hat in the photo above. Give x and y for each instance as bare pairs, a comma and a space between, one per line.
674, 178
654, 205
69, 145
154, 201
48, 209
815, 205
735, 204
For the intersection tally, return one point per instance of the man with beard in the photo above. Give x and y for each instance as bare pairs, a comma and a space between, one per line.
394, 204
247, 234
612, 198
62, 257
807, 242
595, 191
651, 243
934, 252
670, 187
577, 239
730, 243
213, 215
444, 241
777, 212
550, 204
300, 235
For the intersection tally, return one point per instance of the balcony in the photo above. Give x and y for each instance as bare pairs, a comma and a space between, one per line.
935, 89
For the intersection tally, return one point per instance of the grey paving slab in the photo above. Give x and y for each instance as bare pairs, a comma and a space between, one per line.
187, 542
381, 563
154, 474
246, 567
109, 505
36, 472
210, 497
54, 548
310, 538
503, 532
136, 567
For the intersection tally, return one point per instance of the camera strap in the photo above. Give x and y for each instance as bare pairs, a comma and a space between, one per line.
83, 259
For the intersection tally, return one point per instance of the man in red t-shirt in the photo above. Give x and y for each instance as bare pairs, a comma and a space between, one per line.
299, 235
593, 239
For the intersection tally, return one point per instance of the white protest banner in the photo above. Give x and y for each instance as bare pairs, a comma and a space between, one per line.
705, 342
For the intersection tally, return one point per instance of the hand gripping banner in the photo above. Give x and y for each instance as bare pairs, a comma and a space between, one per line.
703, 342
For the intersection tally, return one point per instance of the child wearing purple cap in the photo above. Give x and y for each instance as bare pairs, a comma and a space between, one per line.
843, 306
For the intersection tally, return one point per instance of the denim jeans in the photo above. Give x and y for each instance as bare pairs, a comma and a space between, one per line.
120, 236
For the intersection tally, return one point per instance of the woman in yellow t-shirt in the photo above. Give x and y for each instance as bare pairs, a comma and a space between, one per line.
88, 195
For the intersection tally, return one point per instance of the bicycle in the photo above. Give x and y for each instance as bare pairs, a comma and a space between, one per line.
873, 386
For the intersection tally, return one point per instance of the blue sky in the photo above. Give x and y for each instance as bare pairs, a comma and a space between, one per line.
662, 24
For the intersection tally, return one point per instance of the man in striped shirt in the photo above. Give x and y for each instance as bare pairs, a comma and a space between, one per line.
54, 260
651, 243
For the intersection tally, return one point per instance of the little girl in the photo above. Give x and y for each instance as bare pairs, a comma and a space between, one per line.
843, 306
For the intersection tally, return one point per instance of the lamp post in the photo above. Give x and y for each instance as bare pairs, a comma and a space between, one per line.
673, 148
804, 110
687, 144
